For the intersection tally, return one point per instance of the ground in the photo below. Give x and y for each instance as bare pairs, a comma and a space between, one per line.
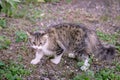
99, 15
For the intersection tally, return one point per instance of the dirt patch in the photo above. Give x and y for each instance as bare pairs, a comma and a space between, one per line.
96, 14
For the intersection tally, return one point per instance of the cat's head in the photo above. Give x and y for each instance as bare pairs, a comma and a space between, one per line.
37, 39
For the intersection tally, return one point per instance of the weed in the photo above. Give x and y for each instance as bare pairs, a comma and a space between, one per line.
4, 42
118, 18
35, 1
35, 15
104, 18
20, 58
107, 74
108, 37
79, 64
21, 36
68, 1
9, 6
2, 23
30, 1
21, 13
23, 48
12, 71
104, 74
89, 75
51, 0
117, 67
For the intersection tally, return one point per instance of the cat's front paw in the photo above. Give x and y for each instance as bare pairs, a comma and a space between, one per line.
34, 61
85, 67
55, 61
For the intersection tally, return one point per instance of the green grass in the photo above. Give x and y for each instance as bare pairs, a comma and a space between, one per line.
9, 7
4, 42
21, 13
2, 23
89, 75
35, 15
106, 73
110, 38
21, 36
12, 71
104, 18
117, 18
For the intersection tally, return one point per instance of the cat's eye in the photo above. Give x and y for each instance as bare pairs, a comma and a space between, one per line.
34, 43
40, 43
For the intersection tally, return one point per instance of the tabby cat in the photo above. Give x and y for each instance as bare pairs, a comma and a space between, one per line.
75, 40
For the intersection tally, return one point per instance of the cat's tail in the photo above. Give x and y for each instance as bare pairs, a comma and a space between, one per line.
99, 50
107, 52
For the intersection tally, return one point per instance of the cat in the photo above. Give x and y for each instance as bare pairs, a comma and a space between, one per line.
72, 39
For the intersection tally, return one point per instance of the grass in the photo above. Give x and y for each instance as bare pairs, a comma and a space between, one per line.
104, 18
16, 71
117, 18
4, 42
12, 71
110, 38
21, 36
105, 73
2, 23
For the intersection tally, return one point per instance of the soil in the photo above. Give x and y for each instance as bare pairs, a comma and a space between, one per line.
102, 15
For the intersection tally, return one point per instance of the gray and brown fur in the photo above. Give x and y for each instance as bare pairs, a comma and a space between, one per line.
76, 39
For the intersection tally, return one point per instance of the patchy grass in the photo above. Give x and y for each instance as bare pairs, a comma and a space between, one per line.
34, 13
9, 7
46, 14
21, 13
105, 73
104, 18
110, 38
117, 18
2, 23
12, 71
85, 76
4, 42
21, 36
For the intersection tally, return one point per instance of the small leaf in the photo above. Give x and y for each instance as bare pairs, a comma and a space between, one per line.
1, 63
80, 64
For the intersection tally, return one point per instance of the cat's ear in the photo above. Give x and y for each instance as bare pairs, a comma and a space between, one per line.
42, 32
29, 34
45, 36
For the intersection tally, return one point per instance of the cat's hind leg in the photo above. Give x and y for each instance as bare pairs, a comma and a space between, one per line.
56, 59
59, 52
86, 64
38, 56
